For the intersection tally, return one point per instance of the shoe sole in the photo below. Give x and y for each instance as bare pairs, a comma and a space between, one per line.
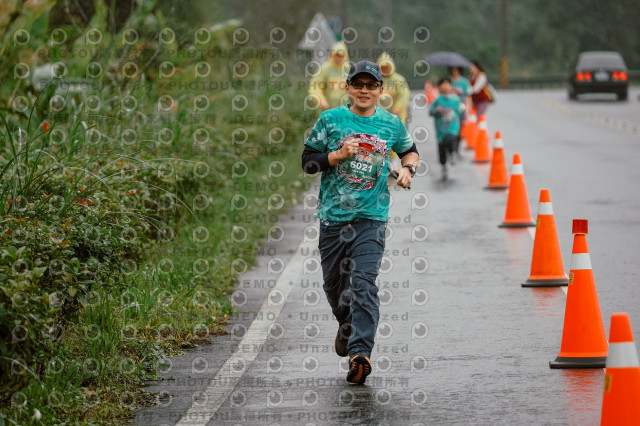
362, 371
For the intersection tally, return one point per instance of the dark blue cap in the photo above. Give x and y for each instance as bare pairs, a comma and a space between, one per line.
365, 67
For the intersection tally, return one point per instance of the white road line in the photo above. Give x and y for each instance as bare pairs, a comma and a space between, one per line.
227, 378
532, 232
597, 118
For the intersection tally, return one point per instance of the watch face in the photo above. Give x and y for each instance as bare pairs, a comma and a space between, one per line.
411, 168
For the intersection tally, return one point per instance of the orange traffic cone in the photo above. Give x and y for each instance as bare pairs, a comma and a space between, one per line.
483, 146
470, 129
430, 91
517, 214
546, 262
498, 176
584, 342
621, 396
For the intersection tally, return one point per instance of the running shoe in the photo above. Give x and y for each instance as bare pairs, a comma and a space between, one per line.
359, 368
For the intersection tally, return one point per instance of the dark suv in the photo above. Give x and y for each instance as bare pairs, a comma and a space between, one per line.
599, 72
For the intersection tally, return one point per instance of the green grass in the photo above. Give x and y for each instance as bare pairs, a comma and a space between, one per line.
126, 215
119, 249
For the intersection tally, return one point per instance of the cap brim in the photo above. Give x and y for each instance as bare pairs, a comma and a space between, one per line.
377, 78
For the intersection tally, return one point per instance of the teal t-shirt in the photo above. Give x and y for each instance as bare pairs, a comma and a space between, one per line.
356, 188
448, 120
463, 85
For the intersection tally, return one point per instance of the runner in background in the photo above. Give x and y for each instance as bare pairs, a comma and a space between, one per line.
328, 86
461, 87
446, 110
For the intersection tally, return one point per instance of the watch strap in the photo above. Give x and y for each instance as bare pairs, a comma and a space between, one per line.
411, 168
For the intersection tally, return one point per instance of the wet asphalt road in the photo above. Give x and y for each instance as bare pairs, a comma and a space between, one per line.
459, 341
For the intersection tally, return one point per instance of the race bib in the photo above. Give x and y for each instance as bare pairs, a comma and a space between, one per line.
361, 171
448, 116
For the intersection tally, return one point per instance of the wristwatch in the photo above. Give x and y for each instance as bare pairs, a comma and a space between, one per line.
411, 168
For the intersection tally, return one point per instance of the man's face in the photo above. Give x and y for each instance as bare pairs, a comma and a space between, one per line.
364, 91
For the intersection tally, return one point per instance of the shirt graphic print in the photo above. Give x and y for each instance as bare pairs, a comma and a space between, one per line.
361, 171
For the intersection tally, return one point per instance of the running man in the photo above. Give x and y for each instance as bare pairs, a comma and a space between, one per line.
350, 146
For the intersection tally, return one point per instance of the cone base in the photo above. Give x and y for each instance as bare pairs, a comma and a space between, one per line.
545, 283
579, 362
481, 161
516, 224
497, 187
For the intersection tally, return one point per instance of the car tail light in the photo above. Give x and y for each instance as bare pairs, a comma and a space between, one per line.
620, 75
583, 76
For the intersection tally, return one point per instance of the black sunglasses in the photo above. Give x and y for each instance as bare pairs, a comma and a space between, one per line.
359, 85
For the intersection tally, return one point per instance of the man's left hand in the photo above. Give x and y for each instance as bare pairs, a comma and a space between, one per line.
404, 177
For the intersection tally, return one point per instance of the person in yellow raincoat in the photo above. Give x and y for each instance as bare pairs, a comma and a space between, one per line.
395, 98
328, 86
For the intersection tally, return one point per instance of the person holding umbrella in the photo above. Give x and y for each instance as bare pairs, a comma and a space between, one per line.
460, 84
461, 87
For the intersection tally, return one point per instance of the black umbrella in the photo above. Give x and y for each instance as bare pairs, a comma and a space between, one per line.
448, 59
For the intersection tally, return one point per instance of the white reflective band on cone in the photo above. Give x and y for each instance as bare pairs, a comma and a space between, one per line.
580, 261
545, 208
517, 169
622, 355
498, 144
482, 125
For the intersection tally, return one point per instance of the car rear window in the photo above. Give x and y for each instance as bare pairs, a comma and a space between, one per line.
604, 59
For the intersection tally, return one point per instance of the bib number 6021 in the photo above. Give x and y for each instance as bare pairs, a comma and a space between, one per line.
365, 167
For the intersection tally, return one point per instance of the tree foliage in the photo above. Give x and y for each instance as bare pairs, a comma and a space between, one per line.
543, 36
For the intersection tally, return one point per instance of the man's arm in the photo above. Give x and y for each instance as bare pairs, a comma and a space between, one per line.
409, 156
314, 161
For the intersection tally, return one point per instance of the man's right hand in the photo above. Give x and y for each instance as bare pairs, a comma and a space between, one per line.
349, 148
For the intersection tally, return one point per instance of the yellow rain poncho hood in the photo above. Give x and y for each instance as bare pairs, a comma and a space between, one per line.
395, 95
339, 47
328, 86
386, 60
